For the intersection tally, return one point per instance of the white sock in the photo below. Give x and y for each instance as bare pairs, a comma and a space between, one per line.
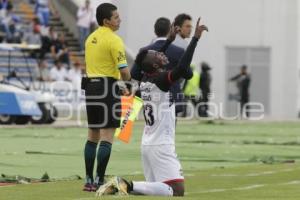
152, 188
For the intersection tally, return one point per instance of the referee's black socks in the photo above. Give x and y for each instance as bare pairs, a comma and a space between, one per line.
89, 157
103, 158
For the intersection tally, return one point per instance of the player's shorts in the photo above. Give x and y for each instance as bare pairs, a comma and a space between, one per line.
161, 164
103, 102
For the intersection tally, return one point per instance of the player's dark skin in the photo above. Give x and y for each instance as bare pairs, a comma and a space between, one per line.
158, 60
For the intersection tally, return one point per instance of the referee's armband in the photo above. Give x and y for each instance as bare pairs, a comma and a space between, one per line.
121, 66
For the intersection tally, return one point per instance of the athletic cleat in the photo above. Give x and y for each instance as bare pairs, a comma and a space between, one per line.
122, 185
115, 185
107, 189
94, 187
97, 184
87, 187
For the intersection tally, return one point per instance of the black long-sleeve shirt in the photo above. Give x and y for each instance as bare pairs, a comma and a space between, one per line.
243, 84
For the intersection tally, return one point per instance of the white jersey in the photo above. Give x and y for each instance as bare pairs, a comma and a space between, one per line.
160, 161
159, 113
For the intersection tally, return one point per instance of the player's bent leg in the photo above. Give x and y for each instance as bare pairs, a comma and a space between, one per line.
124, 187
143, 188
178, 188
167, 168
152, 188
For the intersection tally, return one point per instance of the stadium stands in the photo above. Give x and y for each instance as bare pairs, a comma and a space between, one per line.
21, 62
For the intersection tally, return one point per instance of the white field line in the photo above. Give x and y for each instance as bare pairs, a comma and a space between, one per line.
297, 182
85, 198
249, 187
255, 174
6, 186
263, 173
225, 175
113, 196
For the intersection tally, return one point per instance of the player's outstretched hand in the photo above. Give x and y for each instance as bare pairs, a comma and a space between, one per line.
200, 29
173, 32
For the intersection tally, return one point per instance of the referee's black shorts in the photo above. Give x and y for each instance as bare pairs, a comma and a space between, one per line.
103, 103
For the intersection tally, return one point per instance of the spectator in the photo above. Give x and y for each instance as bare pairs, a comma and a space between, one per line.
243, 84
58, 72
10, 25
59, 50
47, 41
35, 24
43, 11
52, 34
75, 75
84, 21
4, 5
205, 82
184, 22
34, 38
191, 89
43, 74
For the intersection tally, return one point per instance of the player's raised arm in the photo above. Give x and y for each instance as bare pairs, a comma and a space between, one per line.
187, 57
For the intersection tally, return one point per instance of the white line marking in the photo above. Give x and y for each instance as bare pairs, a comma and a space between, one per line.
262, 173
250, 187
224, 175
255, 174
292, 183
6, 186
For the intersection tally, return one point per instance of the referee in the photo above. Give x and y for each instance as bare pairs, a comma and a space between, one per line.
105, 65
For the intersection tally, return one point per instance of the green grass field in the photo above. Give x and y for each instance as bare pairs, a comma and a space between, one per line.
236, 160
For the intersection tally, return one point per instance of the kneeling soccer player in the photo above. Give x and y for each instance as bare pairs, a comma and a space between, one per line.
162, 169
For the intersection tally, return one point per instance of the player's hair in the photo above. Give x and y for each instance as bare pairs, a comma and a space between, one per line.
144, 63
179, 19
104, 11
162, 27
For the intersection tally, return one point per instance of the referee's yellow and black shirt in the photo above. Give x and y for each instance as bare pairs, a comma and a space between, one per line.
104, 54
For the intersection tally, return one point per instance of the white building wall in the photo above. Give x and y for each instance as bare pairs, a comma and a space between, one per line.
270, 23
298, 57
256, 23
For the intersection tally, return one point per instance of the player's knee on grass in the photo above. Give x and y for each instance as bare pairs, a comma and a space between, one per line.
178, 189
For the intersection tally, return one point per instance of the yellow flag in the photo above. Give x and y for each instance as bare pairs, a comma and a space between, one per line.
131, 107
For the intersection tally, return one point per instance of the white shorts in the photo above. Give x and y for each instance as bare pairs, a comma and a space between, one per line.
161, 164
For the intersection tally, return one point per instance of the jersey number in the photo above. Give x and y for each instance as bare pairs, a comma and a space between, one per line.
148, 114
